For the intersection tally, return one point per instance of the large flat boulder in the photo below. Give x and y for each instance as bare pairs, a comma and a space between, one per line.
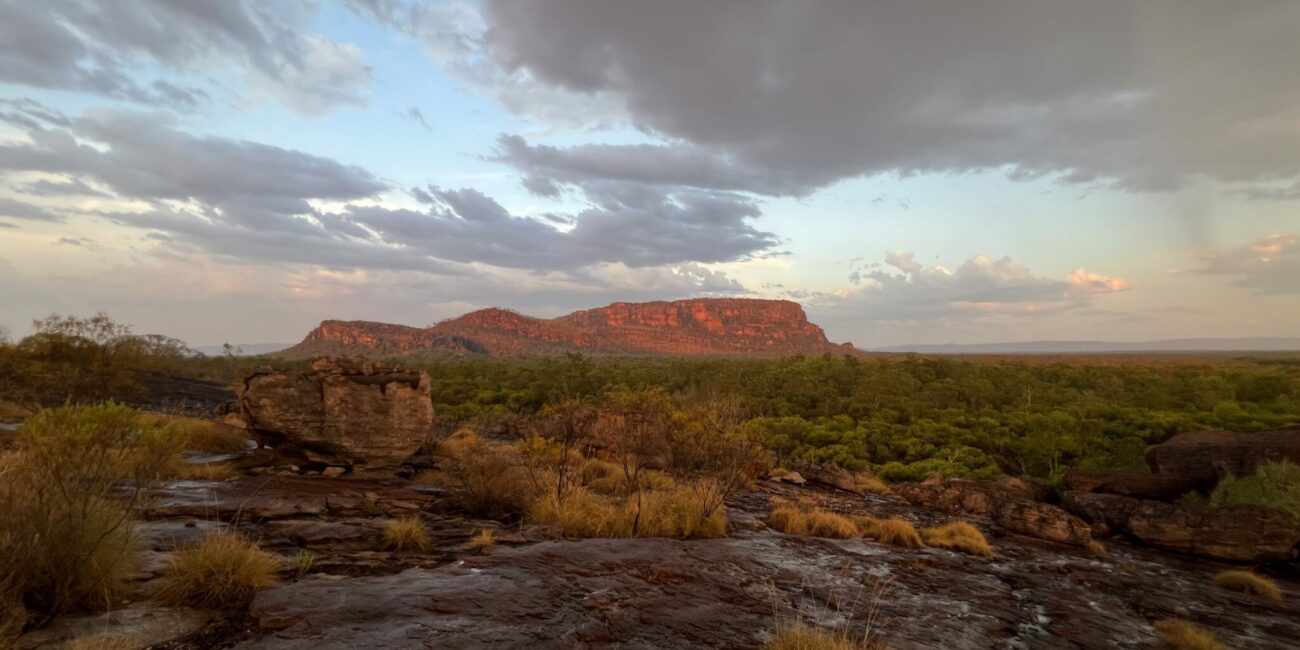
1204, 457
1007, 506
339, 412
1239, 533
1131, 483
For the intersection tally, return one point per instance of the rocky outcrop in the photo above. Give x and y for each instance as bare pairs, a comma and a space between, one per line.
1204, 457
706, 326
1141, 485
828, 475
1240, 533
339, 412
1008, 507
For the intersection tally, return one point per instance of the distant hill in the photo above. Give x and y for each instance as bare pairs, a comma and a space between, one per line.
1101, 347
699, 327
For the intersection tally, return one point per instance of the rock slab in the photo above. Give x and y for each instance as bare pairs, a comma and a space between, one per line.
1010, 508
339, 412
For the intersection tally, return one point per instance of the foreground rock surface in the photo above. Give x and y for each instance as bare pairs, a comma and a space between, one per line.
1239, 533
340, 413
1204, 457
1007, 506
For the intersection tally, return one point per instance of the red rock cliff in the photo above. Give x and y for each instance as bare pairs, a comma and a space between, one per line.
705, 326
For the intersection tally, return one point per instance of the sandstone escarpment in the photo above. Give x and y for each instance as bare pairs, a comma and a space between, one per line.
703, 327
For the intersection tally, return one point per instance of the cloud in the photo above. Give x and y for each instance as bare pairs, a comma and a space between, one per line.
144, 156
15, 209
1110, 92
414, 114
98, 48
625, 226
979, 286
1268, 266
70, 187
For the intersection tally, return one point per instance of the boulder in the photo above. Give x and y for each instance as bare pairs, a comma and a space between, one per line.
340, 413
1204, 457
1131, 483
828, 475
1008, 507
1238, 533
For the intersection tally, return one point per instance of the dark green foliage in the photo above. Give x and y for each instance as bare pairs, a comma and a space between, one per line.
909, 416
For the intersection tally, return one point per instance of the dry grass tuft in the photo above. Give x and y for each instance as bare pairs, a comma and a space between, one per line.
483, 542
1248, 582
679, 512
1185, 635
801, 636
199, 434
815, 522
788, 520
1096, 548
958, 536
301, 562
224, 571
407, 534
829, 524
873, 485
206, 471
895, 532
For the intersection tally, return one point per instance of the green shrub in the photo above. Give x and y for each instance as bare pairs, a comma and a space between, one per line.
65, 535
1276, 485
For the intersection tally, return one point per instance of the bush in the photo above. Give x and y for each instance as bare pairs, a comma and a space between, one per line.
1248, 582
1184, 635
484, 478
199, 434
224, 571
958, 536
677, 512
1275, 485
407, 534
895, 532
65, 542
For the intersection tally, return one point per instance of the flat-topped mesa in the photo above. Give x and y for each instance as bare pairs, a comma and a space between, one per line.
700, 327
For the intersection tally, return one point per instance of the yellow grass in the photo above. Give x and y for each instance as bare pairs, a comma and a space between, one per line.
1248, 582
206, 471
958, 536
301, 562
1096, 547
815, 522
199, 434
873, 485
678, 512
483, 542
801, 636
895, 532
1185, 635
788, 520
407, 534
223, 571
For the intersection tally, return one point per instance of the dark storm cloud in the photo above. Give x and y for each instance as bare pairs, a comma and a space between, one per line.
625, 226
676, 165
786, 98
95, 47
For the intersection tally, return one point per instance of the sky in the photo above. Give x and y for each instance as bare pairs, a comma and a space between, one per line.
937, 172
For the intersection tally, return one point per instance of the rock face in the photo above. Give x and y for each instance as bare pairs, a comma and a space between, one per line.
339, 412
707, 326
1008, 507
1206, 456
1240, 533
1130, 483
